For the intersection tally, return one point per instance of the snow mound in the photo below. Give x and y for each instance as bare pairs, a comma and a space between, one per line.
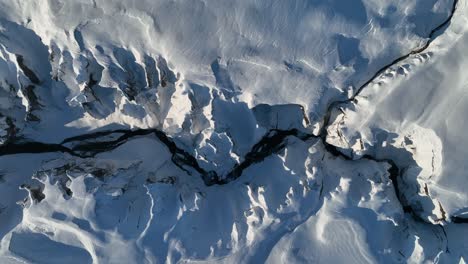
232, 131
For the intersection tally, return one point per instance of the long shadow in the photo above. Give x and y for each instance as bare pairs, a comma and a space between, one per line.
430, 37
91, 144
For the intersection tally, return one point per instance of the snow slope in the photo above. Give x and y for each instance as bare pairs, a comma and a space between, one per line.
137, 131
428, 124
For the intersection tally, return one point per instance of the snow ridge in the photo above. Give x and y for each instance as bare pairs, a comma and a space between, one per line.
175, 153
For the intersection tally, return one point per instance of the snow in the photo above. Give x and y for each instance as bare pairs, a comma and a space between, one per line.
429, 90
137, 131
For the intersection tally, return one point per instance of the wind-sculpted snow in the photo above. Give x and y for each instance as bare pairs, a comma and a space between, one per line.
144, 207
232, 131
428, 130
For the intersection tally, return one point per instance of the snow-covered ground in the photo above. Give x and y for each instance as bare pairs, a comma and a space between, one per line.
414, 115
141, 131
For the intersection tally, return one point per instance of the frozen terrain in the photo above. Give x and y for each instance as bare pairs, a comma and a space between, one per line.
217, 131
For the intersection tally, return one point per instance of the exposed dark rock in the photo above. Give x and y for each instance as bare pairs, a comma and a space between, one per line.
27, 71
273, 142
